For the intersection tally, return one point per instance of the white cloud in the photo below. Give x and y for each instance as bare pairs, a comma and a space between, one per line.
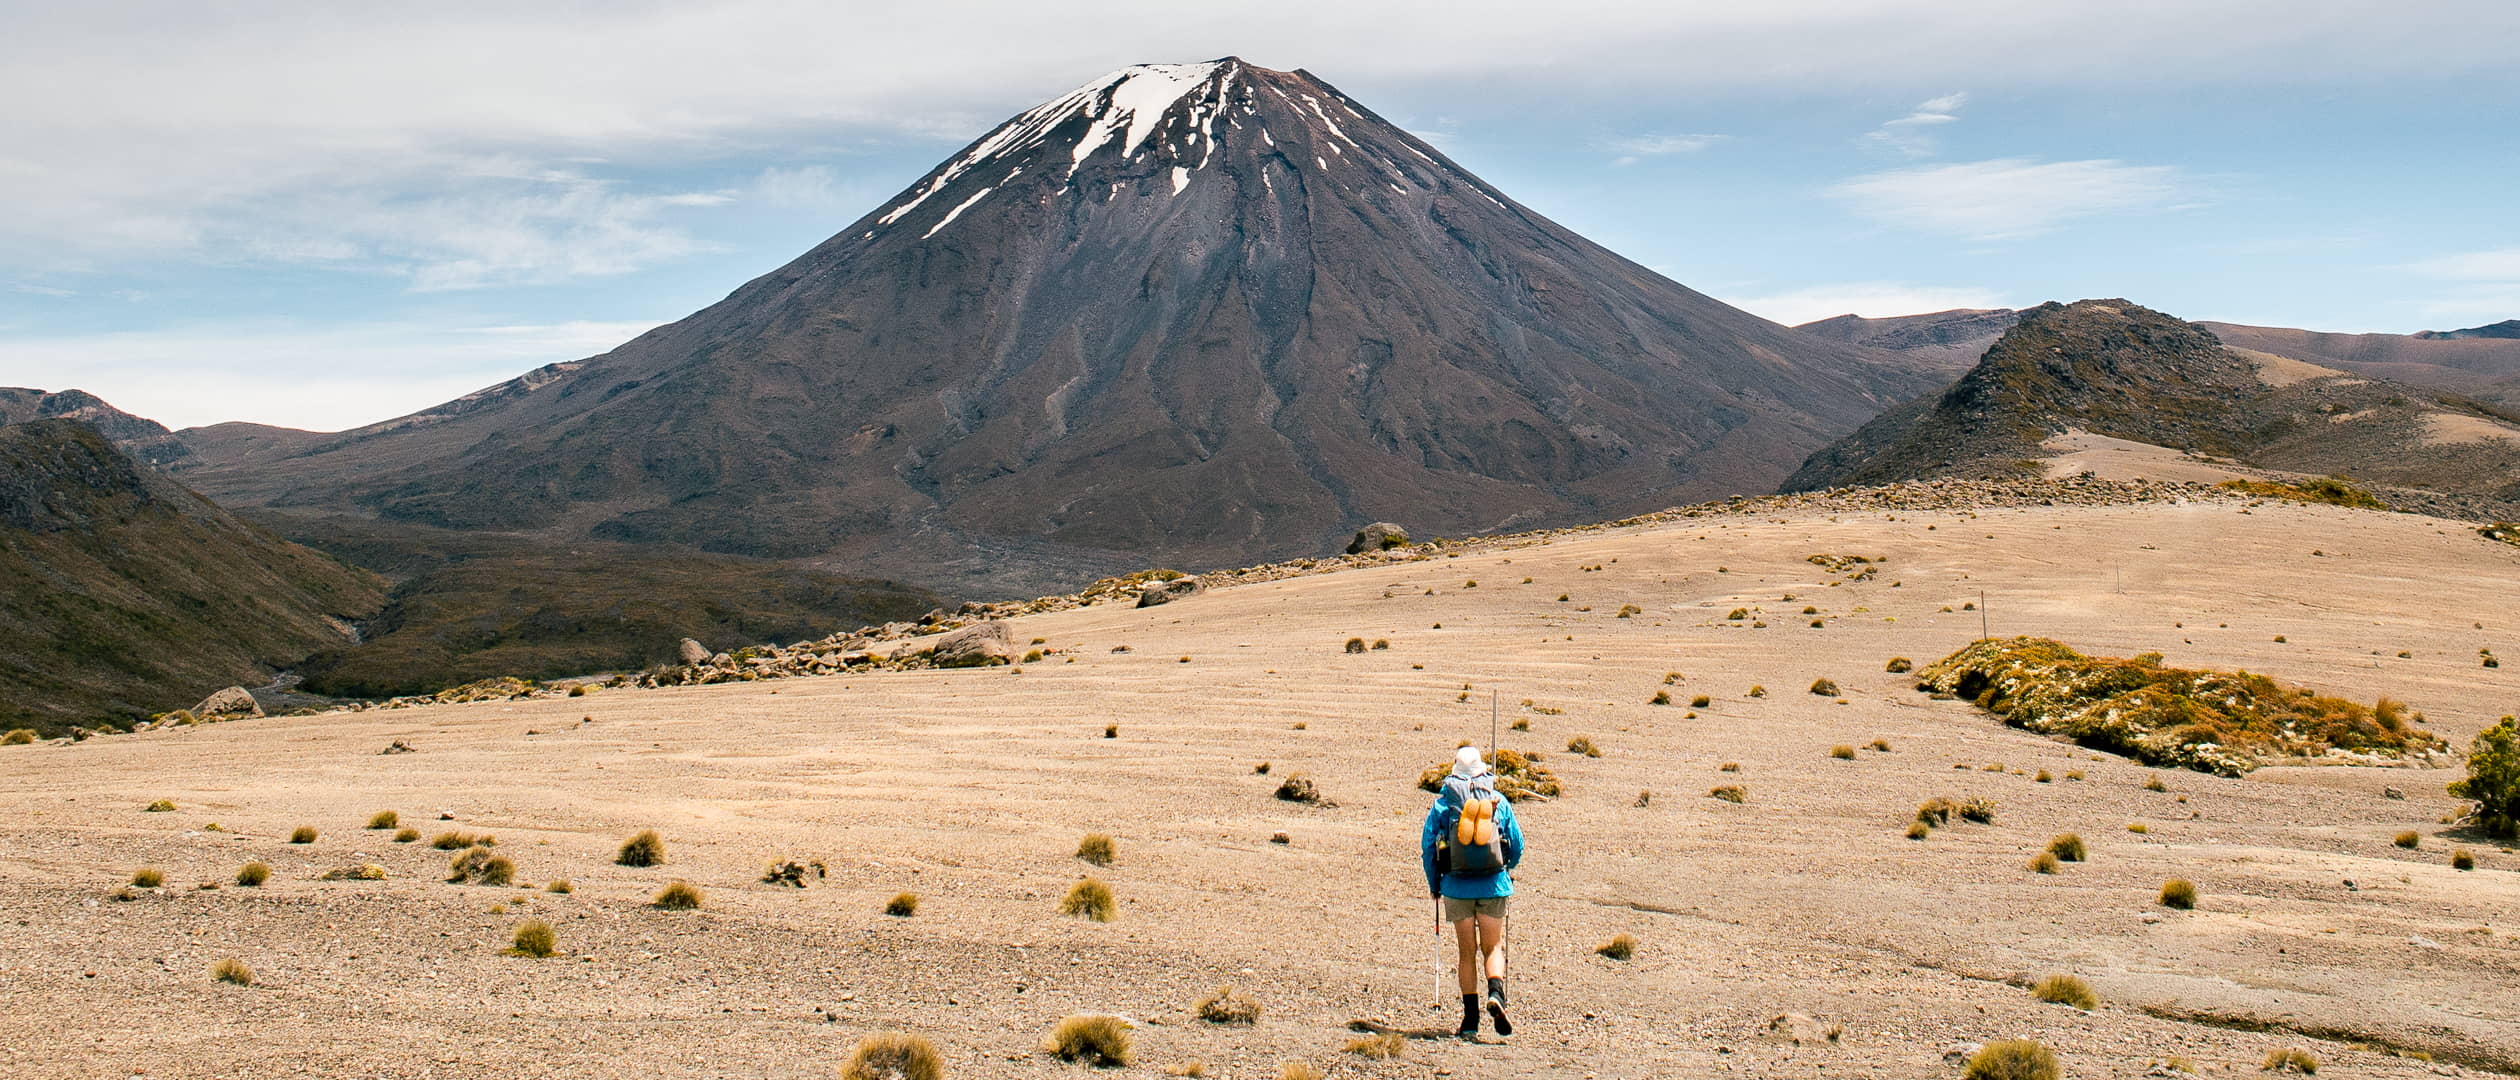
2007, 198
1871, 299
324, 378
1910, 135
2485, 284
2499, 265
1638, 147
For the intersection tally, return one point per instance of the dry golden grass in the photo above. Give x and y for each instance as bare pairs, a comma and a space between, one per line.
2410, 839
645, 849
160, 806
1094, 1040
560, 886
1583, 744
1882, 745
2043, 863
2179, 893
148, 877
18, 737
1619, 947
2290, 1059
1934, 812
2068, 847
1701, 701
902, 905
1089, 898
303, 834
893, 1055
452, 841
384, 819
1298, 1070
1899, 665
1228, 1007
2155, 784
1095, 848
2012, 1059
2067, 990
1978, 810
1192, 1069
533, 937
678, 896
406, 835
2462, 859
1381, 1047
1842, 752
253, 874
1731, 793
1918, 830
232, 970
1824, 687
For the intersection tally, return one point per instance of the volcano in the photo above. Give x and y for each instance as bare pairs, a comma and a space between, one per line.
1186, 314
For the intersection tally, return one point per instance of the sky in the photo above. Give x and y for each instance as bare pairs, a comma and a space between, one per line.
321, 215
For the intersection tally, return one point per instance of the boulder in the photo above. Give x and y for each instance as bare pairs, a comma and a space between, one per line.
1376, 537
976, 645
1165, 592
693, 652
233, 701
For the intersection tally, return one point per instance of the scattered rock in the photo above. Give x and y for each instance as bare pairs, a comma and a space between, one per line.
228, 703
1168, 591
693, 652
2391, 793
1804, 1031
791, 873
398, 747
1960, 1053
1378, 536
977, 645
361, 872
1299, 788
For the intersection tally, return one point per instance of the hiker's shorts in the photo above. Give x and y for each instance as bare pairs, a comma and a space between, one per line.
1457, 910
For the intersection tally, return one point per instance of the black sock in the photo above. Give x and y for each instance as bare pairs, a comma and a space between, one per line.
1469, 1012
1496, 989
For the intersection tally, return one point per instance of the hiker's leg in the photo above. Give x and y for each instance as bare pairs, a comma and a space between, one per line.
1466, 935
1491, 947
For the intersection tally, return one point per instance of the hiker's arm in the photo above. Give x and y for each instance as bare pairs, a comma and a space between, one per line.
1426, 849
1510, 828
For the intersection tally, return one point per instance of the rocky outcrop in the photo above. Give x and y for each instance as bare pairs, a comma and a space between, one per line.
1165, 592
693, 652
1376, 537
976, 645
228, 704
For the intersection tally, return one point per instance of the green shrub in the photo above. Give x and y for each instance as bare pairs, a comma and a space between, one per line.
232, 970
645, 849
1619, 947
892, 1055
303, 834
2179, 893
1089, 898
1094, 1040
253, 874
678, 896
2067, 846
1227, 1007
2011, 1059
533, 937
2493, 779
2067, 990
902, 905
1095, 848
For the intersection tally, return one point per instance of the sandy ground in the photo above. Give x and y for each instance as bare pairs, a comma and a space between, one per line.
971, 788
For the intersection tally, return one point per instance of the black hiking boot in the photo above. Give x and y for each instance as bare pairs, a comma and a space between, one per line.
1469, 1017
1496, 1007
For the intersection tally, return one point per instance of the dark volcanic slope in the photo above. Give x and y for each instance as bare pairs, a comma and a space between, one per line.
1191, 314
1951, 339
2113, 368
142, 438
2506, 330
122, 593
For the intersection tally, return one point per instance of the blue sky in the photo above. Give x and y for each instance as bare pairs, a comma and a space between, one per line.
326, 215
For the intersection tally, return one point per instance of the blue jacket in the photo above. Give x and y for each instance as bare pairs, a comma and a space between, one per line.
1487, 886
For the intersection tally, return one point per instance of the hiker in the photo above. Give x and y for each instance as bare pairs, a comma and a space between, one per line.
1469, 850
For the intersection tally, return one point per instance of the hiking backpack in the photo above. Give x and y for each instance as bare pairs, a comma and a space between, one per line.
1471, 841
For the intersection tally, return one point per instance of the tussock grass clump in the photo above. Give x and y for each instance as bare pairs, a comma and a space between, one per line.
480, 867
1758, 691
1918, 830
1824, 687
1228, 1007
1298, 1070
1701, 701
2179, 893
2290, 1059
18, 737
1882, 745
2493, 779
1094, 1040
253, 874
2067, 990
384, 819
1978, 810
406, 835
1298, 788
902, 905
452, 841
559, 886
1737, 614
893, 1055
1519, 776
1356, 645
2138, 828
1729, 766
2153, 783
2410, 839
1661, 697
2462, 859
1383, 1047
303, 834
159, 807
148, 877
1583, 744
2328, 489
533, 937
678, 896
1111, 731
1261, 769
1619, 947
1095, 848
2211, 721
645, 849
2043, 863
1731, 793
2012, 1059
232, 970
1934, 812
2068, 847
1090, 899
1842, 752
1899, 665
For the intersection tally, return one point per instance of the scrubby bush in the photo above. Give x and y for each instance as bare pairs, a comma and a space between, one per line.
1298, 788
1918, 830
678, 896
1356, 645
1619, 947
1882, 745
1661, 697
253, 874
1935, 812
1095, 848
1094, 1040
2493, 779
2179, 893
303, 834
1584, 745
384, 819
232, 970
1824, 687
2067, 990
2154, 784
1758, 691
533, 937
645, 849
1731, 793
1089, 898
148, 877
480, 867
1899, 665
1297, 1070
892, 1055
1227, 1007
2012, 1059
902, 905
2067, 846
2290, 1059
1978, 810
1729, 766
2462, 859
